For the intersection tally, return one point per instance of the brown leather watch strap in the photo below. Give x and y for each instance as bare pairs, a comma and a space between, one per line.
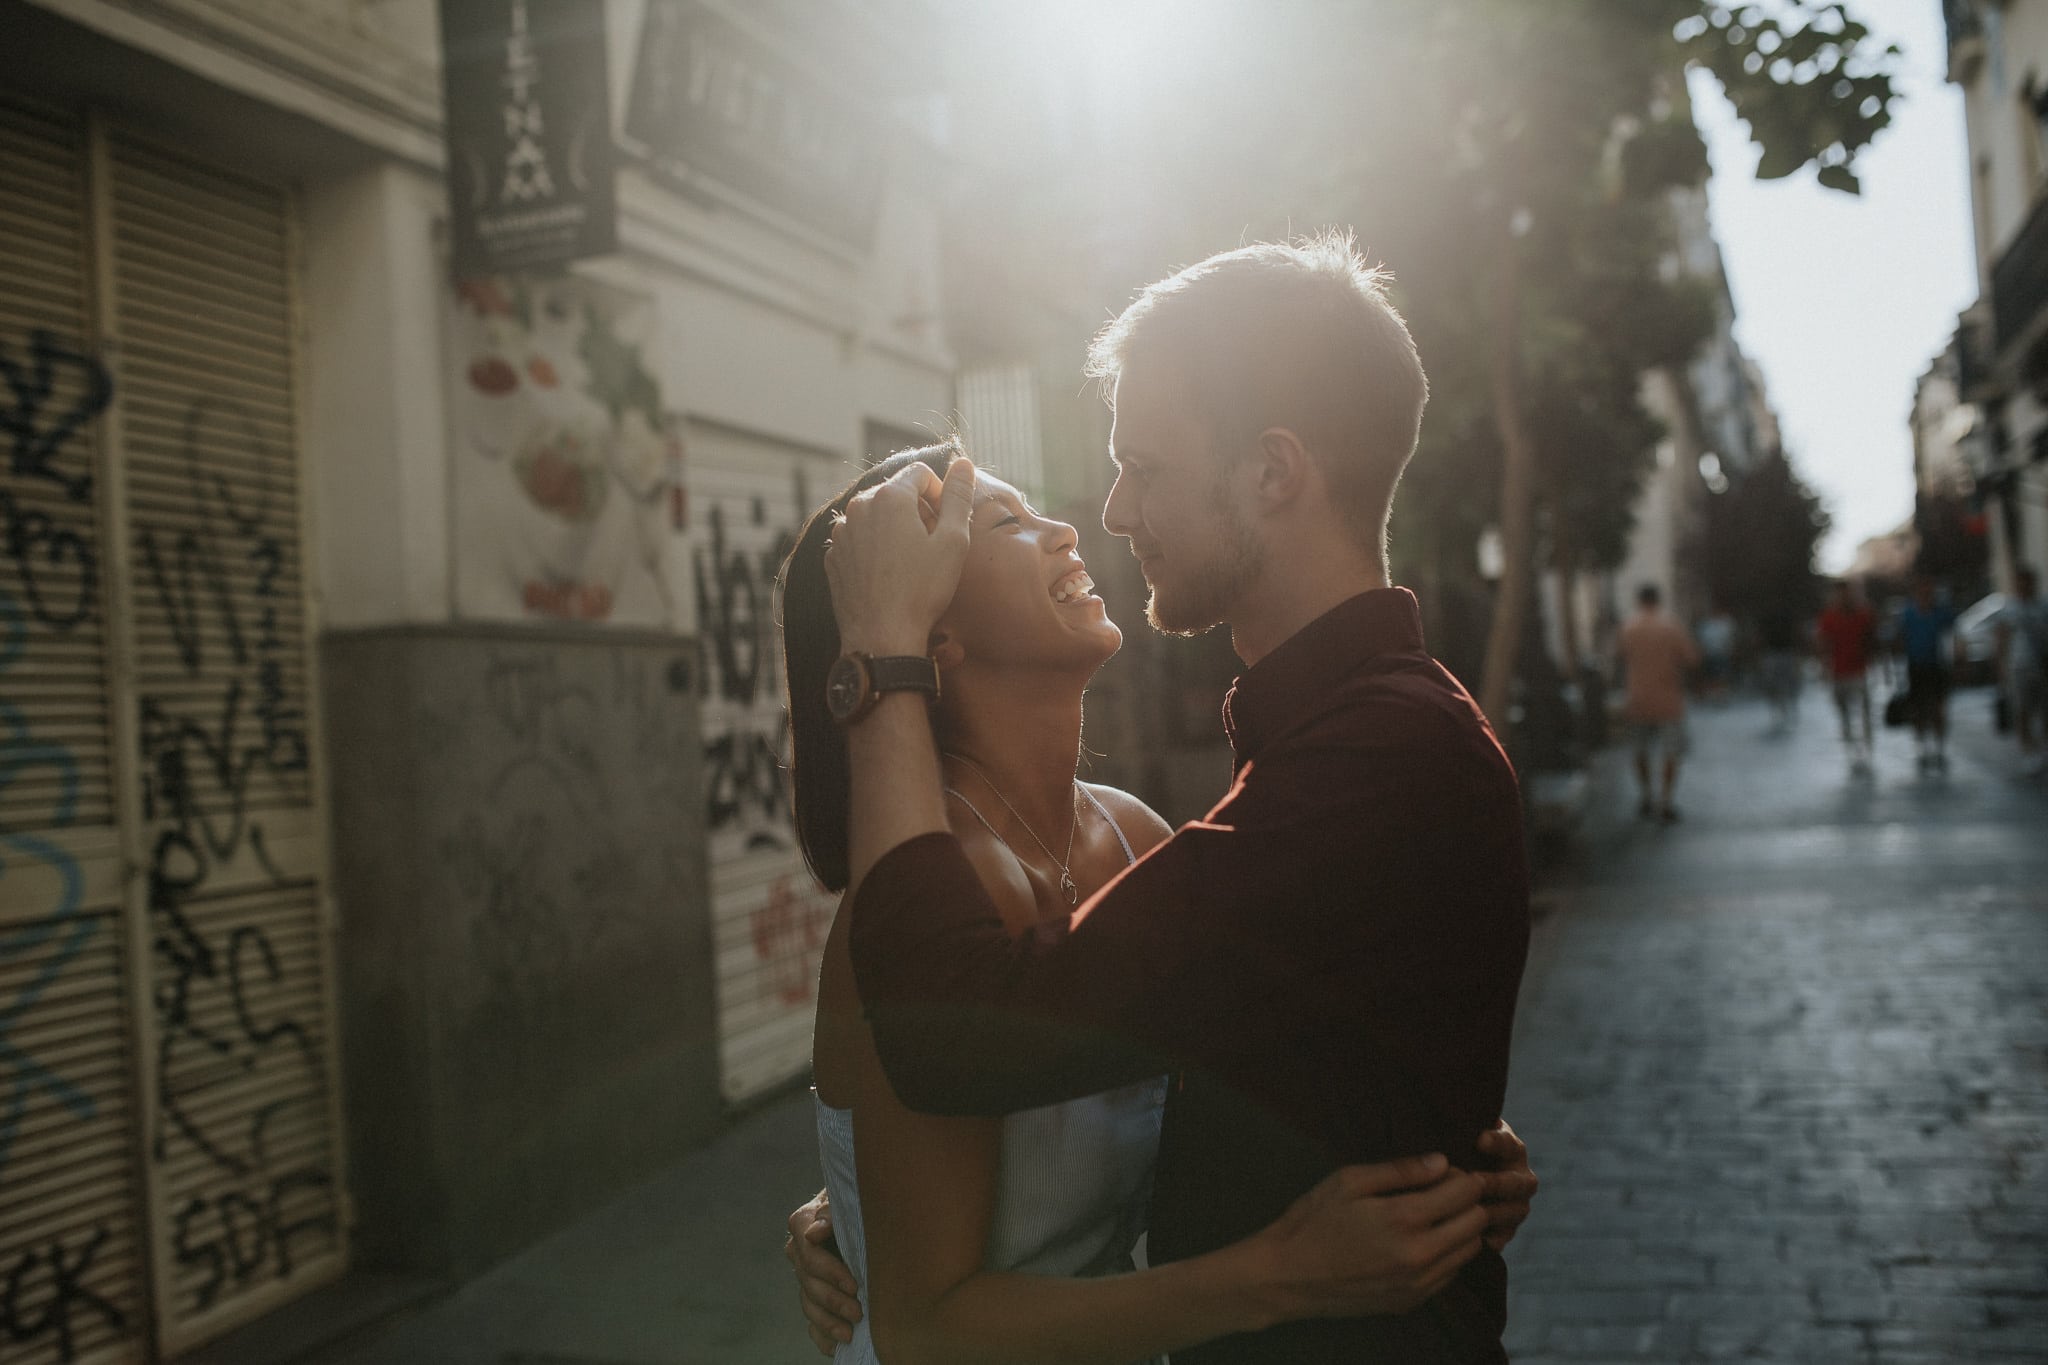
904, 673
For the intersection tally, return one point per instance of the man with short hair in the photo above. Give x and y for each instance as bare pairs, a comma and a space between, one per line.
1655, 653
2022, 625
1327, 963
1844, 634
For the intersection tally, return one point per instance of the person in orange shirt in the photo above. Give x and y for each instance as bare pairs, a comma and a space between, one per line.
1655, 653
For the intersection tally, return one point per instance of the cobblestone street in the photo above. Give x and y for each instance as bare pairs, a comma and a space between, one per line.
1784, 1066
1784, 1069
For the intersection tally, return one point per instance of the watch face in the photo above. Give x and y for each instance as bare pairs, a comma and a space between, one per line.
845, 685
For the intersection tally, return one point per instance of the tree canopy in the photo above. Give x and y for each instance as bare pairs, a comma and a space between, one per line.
1760, 540
1511, 160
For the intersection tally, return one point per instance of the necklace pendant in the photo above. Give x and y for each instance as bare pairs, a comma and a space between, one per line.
1069, 890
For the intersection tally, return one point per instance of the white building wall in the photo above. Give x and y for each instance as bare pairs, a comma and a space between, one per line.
2009, 168
2031, 491
1653, 550
376, 429
2004, 142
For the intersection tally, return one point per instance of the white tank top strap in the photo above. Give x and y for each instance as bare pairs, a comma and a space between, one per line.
1114, 827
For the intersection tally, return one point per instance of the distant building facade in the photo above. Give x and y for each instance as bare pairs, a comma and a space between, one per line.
1718, 424
397, 858
1998, 363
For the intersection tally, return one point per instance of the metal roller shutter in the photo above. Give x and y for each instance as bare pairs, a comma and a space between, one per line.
169, 1135
72, 1257
748, 499
243, 1154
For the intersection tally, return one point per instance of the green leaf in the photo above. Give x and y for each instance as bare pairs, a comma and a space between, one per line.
1840, 178
1779, 160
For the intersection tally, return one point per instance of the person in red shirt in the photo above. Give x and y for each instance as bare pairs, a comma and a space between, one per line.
1325, 965
1847, 630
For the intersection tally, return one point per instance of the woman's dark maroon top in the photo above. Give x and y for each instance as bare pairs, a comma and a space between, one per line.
1326, 964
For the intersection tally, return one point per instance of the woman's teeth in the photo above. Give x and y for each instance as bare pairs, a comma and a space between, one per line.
1072, 587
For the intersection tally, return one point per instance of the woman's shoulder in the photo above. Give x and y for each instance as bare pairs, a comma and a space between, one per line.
1141, 825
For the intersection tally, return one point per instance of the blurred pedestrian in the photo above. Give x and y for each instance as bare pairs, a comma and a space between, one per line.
2022, 626
1847, 631
1778, 633
1925, 633
1655, 653
1717, 653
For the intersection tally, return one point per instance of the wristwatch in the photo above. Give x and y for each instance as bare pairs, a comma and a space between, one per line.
857, 681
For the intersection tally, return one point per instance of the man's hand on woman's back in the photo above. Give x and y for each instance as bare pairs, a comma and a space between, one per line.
1382, 1238
825, 1288
1510, 1184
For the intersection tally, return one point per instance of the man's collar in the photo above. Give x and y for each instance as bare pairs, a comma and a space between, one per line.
1287, 685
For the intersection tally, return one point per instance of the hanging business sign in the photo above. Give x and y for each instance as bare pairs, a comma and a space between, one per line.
716, 101
529, 133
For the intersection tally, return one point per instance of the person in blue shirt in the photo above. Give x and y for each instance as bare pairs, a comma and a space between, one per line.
1925, 636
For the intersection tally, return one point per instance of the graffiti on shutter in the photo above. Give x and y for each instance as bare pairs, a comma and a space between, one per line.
241, 1148
71, 1247
748, 499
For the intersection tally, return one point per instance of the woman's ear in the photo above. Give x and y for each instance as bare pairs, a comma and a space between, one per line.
946, 651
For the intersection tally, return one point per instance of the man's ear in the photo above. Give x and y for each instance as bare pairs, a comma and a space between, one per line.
946, 651
1285, 468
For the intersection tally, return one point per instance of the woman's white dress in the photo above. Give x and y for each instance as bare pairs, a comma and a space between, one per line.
1071, 1186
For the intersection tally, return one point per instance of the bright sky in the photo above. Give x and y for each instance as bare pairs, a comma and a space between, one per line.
1843, 302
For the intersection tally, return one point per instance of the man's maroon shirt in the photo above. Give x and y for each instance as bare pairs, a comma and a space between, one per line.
1326, 964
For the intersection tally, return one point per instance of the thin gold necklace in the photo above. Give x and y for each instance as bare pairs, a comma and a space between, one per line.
1067, 886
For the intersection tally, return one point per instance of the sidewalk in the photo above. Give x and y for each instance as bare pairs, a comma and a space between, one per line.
1784, 1068
686, 1269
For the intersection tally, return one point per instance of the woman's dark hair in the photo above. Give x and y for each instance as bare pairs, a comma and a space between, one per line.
820, 776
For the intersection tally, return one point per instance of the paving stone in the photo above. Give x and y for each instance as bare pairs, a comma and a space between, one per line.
1851, 1306
1657, 1341
2010, 1341
1805, 1343
1599, 1305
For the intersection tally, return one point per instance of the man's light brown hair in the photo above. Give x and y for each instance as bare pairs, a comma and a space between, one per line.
1298, 335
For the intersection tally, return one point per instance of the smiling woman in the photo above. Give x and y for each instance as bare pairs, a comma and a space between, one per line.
1025, 609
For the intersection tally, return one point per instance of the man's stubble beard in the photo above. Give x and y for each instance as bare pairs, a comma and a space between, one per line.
1205, 601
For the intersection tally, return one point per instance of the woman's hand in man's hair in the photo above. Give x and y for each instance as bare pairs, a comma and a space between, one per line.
894, 559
